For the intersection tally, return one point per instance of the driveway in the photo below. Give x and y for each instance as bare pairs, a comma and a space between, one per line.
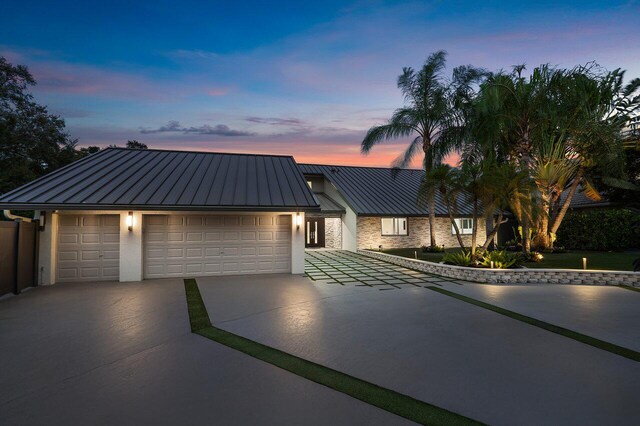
444, 351
123, 353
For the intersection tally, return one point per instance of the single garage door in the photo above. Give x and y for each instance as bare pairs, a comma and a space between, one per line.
88, 248
199, 245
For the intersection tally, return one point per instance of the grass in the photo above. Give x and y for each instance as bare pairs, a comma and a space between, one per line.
386, 399
612, 261
583, 338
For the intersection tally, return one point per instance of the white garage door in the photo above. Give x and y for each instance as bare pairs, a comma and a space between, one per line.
88, 248
195, 245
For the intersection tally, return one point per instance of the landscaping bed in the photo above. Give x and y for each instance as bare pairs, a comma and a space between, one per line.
608, 261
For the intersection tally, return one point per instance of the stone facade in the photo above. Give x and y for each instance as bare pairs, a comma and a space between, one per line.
513, 276
333, 232
370, 233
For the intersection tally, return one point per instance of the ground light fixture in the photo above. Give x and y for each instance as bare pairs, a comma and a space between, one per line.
298, 220
130, 221
584, 263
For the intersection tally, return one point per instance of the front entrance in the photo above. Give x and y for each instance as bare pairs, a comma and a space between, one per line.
314, 232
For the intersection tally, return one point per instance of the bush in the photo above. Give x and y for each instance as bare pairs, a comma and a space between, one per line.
460, 258
600, 230
533, 256
501, 259
436, 249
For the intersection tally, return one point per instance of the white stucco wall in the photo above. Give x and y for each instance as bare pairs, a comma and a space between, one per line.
47, 249
131, 248
349, 219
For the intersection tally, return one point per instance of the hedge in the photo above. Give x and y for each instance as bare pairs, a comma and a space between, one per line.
605, 229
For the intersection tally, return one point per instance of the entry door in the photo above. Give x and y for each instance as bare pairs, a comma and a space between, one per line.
314, 232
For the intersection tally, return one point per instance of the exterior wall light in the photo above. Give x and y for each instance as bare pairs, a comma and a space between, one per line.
42, 221
298, 220
130, 221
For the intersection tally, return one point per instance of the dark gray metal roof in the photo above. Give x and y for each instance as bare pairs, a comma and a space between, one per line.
118, 178
328, 204
375, 191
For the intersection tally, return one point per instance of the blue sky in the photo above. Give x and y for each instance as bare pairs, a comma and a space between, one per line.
299, 78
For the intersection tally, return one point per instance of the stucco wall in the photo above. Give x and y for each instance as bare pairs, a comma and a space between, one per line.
370, 233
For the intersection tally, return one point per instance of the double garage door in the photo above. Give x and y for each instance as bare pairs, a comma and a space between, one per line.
176, 246
194, 245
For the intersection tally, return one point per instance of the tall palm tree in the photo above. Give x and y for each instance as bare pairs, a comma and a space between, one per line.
432, 116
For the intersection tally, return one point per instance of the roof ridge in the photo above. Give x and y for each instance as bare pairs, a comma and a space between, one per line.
190, 151
359, 167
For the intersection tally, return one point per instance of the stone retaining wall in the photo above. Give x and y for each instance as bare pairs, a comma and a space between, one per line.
513, 276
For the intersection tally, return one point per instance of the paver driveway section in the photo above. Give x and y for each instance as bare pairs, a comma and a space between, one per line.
110, 353
435, 348
348, 268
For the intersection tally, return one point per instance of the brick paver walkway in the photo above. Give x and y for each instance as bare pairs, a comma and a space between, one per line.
348, 268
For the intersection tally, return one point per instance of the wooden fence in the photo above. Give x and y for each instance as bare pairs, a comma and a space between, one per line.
18, 256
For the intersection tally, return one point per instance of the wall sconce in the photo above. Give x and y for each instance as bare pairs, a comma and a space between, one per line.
298, 220
130, 221
42, 221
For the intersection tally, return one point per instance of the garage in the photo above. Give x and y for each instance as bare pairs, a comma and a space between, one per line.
88, 248
201, 245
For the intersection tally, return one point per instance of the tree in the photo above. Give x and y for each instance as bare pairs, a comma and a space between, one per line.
33, 142
432, 116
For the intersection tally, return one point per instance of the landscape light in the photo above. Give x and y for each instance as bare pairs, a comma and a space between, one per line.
584, 263
492, 264
130, 221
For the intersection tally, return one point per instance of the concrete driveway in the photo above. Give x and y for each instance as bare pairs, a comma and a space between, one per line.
110, 353
447, 352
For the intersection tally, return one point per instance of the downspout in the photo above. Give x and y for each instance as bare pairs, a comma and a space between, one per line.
8, 215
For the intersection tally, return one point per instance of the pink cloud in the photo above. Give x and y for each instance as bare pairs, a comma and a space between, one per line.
218, 91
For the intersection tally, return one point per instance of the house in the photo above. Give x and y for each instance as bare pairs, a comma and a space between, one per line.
369, 207
128, 215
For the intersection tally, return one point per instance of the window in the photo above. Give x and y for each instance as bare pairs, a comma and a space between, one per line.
394, 226
464, 225
310, 184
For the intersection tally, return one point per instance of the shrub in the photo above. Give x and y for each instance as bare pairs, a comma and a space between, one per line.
532, 256
436, 249
600, 230
501, 259
460, 258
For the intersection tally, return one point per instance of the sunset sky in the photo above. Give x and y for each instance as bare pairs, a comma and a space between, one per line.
282, 77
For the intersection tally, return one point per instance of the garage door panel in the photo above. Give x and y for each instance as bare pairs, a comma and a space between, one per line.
88, 248
216, 244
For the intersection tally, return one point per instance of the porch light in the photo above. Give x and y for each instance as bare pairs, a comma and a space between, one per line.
584, 263
298, 220
130, 221
42, 221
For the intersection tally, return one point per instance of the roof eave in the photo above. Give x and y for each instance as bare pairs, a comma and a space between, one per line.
35, 206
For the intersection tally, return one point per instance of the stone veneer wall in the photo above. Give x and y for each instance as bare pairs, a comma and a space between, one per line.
333, 232
513, 276
370, 233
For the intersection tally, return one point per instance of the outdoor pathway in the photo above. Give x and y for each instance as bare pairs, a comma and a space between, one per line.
348, 268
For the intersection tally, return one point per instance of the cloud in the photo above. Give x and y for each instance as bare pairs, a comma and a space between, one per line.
192, 54
276, 121
217, 130
218, 91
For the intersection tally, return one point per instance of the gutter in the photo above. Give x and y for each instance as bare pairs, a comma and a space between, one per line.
8, 215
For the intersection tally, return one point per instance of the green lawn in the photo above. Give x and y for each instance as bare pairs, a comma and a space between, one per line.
570, 260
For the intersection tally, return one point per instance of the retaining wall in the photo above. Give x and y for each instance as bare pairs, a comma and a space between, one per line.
513, 276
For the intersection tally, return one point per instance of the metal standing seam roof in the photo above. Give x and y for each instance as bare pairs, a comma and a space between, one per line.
375, 191
117, 178
328, 204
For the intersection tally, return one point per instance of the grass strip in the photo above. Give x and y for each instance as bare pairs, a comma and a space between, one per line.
628, 287
583, 338
386, 399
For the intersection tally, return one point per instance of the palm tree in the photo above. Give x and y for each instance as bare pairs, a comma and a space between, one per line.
443, 179
432, 116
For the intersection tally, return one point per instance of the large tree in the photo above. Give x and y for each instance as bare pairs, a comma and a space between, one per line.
562, 127
33, 141
432, 117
